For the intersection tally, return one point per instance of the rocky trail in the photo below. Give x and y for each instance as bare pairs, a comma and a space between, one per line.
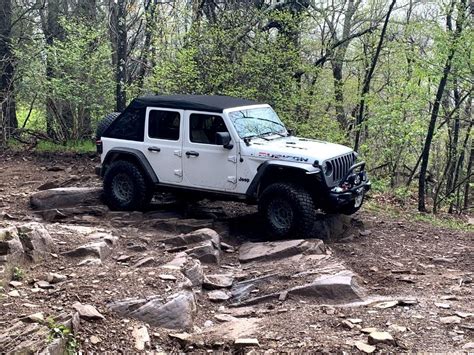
75, 276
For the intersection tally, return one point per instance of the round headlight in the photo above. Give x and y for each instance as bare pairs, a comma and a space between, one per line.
327, 168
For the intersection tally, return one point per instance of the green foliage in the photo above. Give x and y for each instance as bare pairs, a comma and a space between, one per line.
18, 273
60, 331
439, 221
80, 146
36, 119
217, 60
82, 84
380, 184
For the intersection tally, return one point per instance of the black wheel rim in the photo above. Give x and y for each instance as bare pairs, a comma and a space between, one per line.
122, 187
280, 214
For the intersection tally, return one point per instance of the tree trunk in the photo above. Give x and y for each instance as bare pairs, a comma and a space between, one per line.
7, 96
339, 93
150, 15
87, 11
59, 118
467, 185
453, 168
436, 106
120, 27
368, 77
337, 65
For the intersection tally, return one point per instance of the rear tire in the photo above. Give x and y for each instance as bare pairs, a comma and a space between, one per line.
125, 187
287, 210
105, 123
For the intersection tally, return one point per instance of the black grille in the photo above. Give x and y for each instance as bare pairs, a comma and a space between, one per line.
340, 167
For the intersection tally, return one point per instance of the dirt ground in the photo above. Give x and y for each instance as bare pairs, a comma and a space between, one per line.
395, 259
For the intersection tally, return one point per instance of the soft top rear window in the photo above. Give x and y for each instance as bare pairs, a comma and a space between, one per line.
130, 125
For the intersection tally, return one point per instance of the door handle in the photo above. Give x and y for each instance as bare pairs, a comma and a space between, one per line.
192, 153
154, 149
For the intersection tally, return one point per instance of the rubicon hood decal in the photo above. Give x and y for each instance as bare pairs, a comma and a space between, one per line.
294, 149
282, 157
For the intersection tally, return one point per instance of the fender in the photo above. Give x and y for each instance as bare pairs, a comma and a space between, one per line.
135, 155
271, 164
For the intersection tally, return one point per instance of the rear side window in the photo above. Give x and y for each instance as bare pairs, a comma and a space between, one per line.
130, 125
203, 128
164, 125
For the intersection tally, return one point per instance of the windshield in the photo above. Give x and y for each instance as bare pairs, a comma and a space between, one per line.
254, 122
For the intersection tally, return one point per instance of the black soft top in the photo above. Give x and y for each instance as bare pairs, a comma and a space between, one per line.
212, 103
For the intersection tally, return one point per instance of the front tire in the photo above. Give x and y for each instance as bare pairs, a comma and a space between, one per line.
352, 208
287, 210
125, 187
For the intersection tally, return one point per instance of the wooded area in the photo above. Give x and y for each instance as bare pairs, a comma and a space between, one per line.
393, 78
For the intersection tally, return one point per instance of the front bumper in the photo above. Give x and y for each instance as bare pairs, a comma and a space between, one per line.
351, 189
344, 198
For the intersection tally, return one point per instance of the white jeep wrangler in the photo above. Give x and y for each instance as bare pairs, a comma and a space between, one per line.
225, 148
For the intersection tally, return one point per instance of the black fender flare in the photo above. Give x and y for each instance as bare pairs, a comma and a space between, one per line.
269, 165
136, 156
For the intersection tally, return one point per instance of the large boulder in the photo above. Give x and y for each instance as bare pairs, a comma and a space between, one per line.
192, 269
66, 197
10, 245
203, 244
28, 242
335, 226
206, 252
177, 313
36, 240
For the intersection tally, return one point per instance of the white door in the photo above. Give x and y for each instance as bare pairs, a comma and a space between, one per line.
206, 164
163, 143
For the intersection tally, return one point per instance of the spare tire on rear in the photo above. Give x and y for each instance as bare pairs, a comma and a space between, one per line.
105, 123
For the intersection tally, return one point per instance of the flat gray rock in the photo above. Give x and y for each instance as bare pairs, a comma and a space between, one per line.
216, 281
148, 261
87, 311
219, 295
269, 251
332, 289
99, 249
197, 236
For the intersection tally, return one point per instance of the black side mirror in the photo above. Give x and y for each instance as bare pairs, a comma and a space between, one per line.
223, 139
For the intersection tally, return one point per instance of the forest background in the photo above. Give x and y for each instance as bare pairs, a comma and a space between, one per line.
393, 79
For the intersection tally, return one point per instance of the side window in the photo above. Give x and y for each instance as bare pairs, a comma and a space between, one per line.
164, 125
203, 128
130, 125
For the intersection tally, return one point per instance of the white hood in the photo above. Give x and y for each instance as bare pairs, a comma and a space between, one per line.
295, 149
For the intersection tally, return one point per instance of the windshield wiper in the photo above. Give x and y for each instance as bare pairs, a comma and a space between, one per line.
260, 119
260, 135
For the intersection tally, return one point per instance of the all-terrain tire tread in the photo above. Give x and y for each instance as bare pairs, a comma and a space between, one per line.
142, 191
302, 202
